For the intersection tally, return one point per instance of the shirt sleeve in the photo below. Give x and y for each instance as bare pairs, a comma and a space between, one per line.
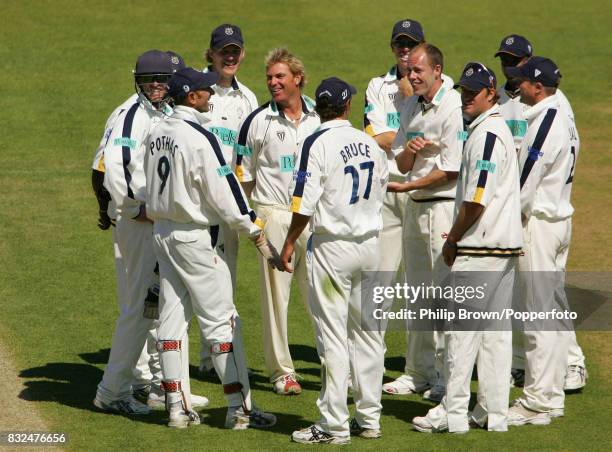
121, 160
310, 177
375, 116
223, 191
247, 149
451, 142
481, 169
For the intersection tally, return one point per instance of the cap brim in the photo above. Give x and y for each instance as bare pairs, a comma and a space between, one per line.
208, 79
414, 38
499, 52
227, 42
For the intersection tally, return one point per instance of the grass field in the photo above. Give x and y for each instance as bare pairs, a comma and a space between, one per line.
67, 64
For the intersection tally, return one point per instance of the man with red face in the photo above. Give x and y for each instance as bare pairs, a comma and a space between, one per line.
267, 146
231, 104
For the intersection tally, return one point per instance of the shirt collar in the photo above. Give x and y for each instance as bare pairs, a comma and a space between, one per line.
392, 75
533, 111
335, 123
189, 114
494, 110
447, 84
235, 84
307, 107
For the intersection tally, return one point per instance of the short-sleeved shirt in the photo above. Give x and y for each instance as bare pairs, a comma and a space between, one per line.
489, 177
340, 181
188, 179
267, 147
440, 122
547, 162
228, 108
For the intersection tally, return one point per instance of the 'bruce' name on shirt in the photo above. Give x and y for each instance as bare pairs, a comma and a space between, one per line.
353, 150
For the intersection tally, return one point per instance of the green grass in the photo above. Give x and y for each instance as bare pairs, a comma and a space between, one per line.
67, 64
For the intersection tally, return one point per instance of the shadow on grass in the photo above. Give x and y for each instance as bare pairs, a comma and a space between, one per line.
99, 357
306, 353
286, 423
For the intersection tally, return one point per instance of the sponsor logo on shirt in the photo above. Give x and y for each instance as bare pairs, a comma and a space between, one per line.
287, 163
485, 165
125, 141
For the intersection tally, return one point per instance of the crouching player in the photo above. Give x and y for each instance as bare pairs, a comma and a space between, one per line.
339, 188
485, 238
191, 190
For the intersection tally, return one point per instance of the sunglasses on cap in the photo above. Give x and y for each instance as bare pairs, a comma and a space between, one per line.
153, 78
404, 42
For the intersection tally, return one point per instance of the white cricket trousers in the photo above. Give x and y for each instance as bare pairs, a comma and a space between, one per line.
545, 246
489, 345
134, 268
275, 290
425, 224
334, 282
195, 280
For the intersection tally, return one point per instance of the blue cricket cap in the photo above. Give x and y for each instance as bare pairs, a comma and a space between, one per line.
187, 80
333, 91
537, 69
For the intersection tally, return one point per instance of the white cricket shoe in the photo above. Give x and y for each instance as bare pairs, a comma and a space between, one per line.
314, 435
519, 415
575, 378
287, 385
180, 418
129, 405
362, 432
237, 419
422, 424
435, 394
404, 385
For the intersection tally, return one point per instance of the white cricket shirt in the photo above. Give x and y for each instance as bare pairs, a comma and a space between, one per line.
267, 146
188, 179
440, 122
341, 180
489, 176
547, 161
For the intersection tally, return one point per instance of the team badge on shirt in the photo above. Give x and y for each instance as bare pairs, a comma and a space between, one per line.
281, 135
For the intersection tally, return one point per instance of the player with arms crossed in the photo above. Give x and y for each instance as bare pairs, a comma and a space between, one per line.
190, 191
340, 184
482, 250
267, 145
428, 143
230, 105
547, 161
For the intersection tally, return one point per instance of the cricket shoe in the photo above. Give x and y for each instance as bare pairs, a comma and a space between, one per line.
314, 435
519, 415
575, 378
423, 425
362, 432
128, 405
287, 385
517, 378
157, 401
435, 394
142, 394
180, 418
237, 419
404, 385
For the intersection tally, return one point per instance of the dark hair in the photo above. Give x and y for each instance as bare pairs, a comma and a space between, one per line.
433, 54
328, 112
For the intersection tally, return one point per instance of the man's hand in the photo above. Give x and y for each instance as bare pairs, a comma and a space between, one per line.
267, 250
417, 144
142, 215
104, 221
449, 253
399, 187
285, 257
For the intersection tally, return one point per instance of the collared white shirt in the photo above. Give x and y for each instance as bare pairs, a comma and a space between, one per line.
340, 180
228, 108
124, 157
188, 179
440, 122
547, 171
267, 146
489, 176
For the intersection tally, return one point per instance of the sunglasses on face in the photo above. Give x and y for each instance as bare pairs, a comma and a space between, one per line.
404, 43
510, 60
153, 78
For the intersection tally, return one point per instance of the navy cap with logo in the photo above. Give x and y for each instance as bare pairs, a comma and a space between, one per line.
333, 91
410, 28
537, 69
476, 76
158, 62
187, 80
224, 35
515, 45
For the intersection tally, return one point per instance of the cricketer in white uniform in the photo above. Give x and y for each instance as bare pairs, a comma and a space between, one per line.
231, 104
121, 156
340, 182
547, 161
190, 191
429, 143
513, 51
385, 97
482, 248
267, 146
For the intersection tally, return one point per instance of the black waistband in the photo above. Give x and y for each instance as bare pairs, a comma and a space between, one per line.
432, 199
